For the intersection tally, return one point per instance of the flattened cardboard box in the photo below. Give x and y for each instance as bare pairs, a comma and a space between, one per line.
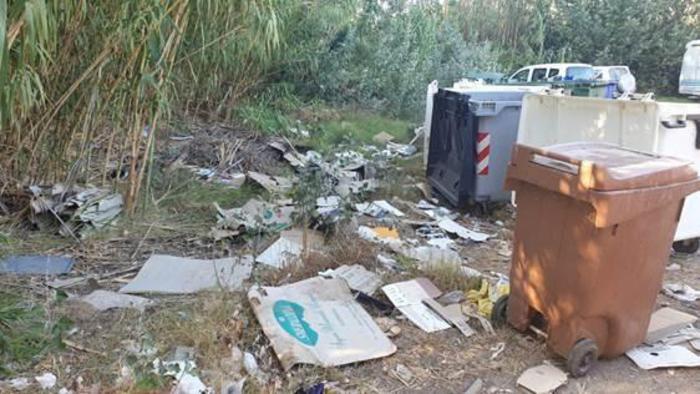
317, 321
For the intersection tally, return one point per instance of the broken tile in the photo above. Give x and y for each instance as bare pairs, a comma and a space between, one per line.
180, 275
36, 265
666, 321
103, 300
542, 379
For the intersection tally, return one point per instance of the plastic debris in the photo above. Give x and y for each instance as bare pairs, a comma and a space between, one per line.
36, 265
542, 379
488, 294
681, 292
378, 209
453, 227
46, 380
408, 297
103, 300
19, 384
379, 234
289, 247
317, 321
453, 297
401, 149
180, 275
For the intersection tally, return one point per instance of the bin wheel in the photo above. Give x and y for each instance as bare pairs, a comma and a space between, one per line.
582, 357
499, 311
688, 246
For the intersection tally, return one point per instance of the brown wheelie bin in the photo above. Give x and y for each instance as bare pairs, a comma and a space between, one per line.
594, 229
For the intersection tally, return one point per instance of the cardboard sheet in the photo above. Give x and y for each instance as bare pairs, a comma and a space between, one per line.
180, 275
662, 356
408, 297
357, 277
317, 321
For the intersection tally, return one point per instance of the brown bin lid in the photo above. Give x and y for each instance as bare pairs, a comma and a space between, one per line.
608, 167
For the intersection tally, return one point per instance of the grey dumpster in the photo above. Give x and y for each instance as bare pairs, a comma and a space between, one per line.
471, 138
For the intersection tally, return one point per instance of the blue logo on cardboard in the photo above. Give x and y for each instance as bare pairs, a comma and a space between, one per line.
290, 316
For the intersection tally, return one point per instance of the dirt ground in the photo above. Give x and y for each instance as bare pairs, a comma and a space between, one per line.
113, 351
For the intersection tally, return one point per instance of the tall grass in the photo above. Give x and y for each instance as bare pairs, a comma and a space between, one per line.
86, 84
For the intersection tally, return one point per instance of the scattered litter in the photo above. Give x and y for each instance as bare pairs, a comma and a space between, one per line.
74, 209
684, 334
453, 297
179, 275
382, 138
388, 262
378, 209
103, 300
681, 292
453, 227
233, 387
36, 265
673, 267
408, 297
255, 215
328, 206
273, 184
46, 380
317, 321
190, 384
181, 137
389, 326
401, 149
347, 187
379, 234
695, 344
441, 243
497, 350
289, 247
665, 322
19, 383
488, 294
542, 379
403, 374
65, 283
357, 277
433, 255
250, 364
452, 314
663, 356
475, 387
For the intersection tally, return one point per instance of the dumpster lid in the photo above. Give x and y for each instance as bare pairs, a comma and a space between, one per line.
603, 166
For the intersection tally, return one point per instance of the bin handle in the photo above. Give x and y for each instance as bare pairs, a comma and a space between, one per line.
555, 164
679, 124
697, 134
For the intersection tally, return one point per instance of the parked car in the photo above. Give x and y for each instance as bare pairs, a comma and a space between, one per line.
689, 81
553, 72
620, 75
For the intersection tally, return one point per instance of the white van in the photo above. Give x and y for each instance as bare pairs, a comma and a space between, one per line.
553, 72
689, 81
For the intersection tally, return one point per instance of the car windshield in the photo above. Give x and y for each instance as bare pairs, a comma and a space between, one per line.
580, 73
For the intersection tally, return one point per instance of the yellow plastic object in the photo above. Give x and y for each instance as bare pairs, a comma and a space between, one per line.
487, 295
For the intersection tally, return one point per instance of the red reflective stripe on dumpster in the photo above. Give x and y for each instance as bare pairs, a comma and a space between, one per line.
483, 150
